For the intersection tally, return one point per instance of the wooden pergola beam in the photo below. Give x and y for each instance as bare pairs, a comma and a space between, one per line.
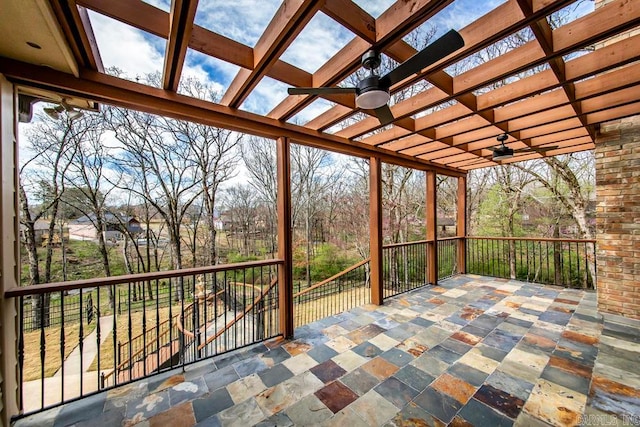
603, 83
288, 22
353, 17
495, 25
182, 14
150, 19
113, 90
391, 26
78, 31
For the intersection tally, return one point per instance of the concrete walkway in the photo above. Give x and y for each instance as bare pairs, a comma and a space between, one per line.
74, 374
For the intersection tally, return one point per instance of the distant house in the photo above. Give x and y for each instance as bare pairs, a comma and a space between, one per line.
83, 228
41, 229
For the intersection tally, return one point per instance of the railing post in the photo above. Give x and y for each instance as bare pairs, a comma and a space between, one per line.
285, 252
461, 225
8, 253
432, 229
375, 229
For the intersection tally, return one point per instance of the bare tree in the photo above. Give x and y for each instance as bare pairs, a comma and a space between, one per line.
570, 180
86, 174
259, 156
161, 167
49, 141
214, 151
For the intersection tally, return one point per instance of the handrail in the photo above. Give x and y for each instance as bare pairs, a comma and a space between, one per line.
240, 315
117, 280
332, 278
416, 242
534, 239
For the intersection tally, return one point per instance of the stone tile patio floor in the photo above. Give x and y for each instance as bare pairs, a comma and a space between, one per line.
471, 351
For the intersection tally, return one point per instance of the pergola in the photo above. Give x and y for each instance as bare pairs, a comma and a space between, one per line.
548, 95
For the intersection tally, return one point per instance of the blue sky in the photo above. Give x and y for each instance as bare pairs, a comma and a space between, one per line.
138, 53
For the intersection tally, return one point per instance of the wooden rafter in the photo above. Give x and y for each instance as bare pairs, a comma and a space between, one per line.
79, 33
452, 122
289, 21
183, 13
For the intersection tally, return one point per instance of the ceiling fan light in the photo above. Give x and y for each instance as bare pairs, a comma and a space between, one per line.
372, 99
502, 153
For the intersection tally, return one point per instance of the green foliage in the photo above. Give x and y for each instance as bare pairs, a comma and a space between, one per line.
327, 261
493, 215
233, 257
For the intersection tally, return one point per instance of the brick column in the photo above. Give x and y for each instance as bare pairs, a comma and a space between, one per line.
618, 217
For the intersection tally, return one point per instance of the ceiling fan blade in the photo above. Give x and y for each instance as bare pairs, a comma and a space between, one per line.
434, 52
319, 90
384, 114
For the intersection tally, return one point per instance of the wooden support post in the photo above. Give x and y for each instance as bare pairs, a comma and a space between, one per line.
461, 225
9, 250
375, 229
432, 229
285, 252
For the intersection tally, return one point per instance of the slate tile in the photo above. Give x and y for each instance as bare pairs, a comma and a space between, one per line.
442, 406
397, 357
275, 375
566, 379
85, 409
479, 414
249, 366
336, 396
360, 381
187, 390
321, 353
212, 403
465, 372
178, 416
380, 368
414, 377
514, 386
328, 371
366, 349
456, 346
275, 356
444, 354
500, 400
455, 387
396, 392
413, 415
308, 411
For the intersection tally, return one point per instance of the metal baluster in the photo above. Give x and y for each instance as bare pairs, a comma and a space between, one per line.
20, 310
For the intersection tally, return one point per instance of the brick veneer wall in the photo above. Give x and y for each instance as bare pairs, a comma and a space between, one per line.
618, 217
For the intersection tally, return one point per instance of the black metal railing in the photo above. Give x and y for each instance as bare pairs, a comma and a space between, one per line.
212, 310
404, 267
563, 262
447, 257
341, 292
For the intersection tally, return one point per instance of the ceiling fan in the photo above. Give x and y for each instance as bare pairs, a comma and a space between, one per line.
372, 92
502, 152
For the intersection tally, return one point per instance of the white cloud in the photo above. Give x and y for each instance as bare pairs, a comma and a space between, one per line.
267, 94
127, 48
316, 43
240, 20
